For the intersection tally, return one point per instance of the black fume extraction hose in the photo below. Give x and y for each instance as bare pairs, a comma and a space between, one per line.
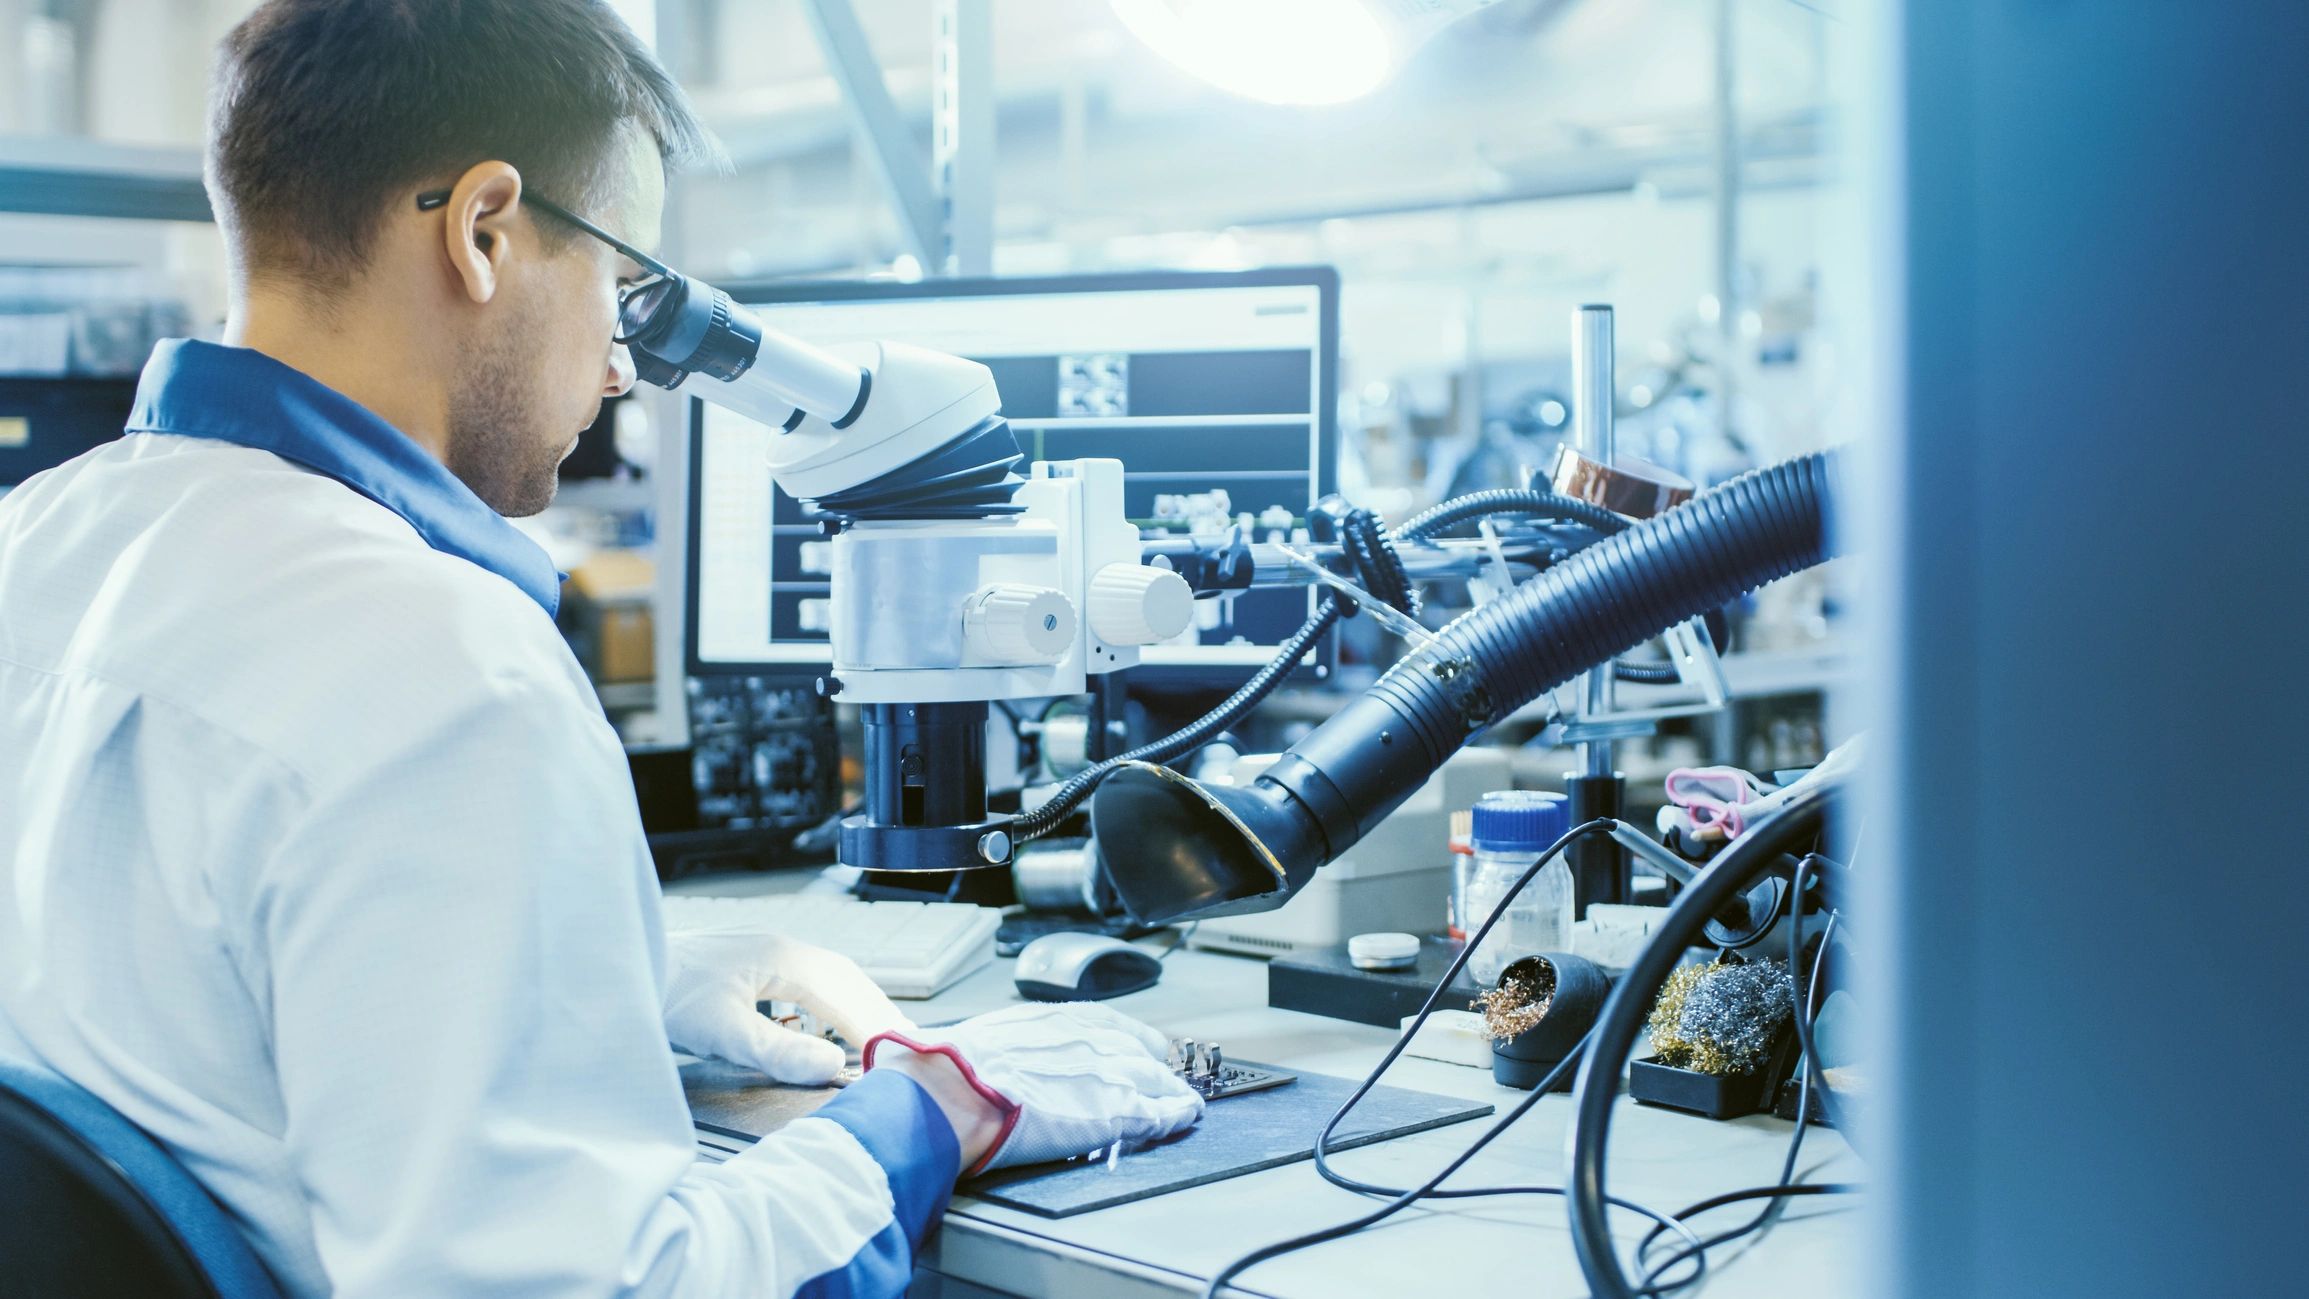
1069, 796
1176, 849
1377, 566
1568, 509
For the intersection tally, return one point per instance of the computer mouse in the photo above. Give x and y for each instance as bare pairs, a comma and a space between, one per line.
1083, 967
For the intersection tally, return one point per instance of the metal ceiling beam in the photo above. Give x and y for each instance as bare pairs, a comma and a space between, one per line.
1771, 157
904, 173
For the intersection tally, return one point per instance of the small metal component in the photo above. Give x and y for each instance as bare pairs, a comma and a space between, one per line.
1060, 875
1626, 486
1203, 1066
994, 846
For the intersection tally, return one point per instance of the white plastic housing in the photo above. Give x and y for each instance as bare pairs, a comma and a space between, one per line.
811, 378
903, 594
1010, 622
920, 400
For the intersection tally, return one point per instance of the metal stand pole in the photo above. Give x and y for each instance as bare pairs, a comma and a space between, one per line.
1599, 866
1727, 166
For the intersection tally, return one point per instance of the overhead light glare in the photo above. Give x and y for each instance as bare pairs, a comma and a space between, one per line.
1299, 52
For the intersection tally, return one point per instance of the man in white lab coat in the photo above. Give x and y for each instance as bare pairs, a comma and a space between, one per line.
317, 859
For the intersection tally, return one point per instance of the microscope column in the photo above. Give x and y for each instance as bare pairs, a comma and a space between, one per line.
925, 790
1599, 866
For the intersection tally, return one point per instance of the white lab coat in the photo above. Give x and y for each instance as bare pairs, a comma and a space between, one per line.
319, 862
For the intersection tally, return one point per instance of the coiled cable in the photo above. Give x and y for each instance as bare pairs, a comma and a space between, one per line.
1508, 500
1567, 509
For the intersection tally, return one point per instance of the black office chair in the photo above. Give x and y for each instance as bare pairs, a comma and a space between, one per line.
95, 1207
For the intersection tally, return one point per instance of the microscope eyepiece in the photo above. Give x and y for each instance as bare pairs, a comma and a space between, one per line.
691, 326
638, 308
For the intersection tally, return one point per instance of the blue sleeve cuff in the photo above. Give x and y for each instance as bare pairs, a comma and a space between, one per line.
908, 1135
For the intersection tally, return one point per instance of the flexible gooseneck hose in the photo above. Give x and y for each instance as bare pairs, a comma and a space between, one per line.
1176, 849
1508, 500
1069, 796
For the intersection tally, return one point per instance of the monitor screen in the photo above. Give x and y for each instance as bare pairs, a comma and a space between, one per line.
1217, 391
45, 421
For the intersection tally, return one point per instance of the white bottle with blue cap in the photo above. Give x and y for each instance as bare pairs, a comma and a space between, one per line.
1512, 828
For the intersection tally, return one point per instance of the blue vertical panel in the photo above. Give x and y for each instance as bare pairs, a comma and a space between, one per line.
2095, 720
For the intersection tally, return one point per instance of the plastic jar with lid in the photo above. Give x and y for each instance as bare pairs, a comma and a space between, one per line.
1512, 828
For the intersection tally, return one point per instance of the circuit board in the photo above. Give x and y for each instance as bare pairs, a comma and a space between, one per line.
1204, 1067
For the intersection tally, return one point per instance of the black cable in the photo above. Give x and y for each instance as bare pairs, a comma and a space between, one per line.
1645, 674
1427, 1009
1665, 674
1621, 1021
1430, 1189
1473, 505
1364, 539
1695, 1248
1815, 1073
1714, 1202
1046, 818
1508, 500
1779, 1193
1805, 1010
1381, 573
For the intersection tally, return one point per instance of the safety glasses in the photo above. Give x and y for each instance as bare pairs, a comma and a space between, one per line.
638, 301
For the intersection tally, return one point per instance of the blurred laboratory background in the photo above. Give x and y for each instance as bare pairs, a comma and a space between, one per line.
1669, 157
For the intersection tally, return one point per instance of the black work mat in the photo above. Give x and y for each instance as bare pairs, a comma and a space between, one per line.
739, 1102
1237, 1135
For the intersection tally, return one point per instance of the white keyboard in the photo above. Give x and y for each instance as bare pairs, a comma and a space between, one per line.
912, 950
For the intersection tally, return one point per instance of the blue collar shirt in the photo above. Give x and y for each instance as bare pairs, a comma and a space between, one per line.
237, 395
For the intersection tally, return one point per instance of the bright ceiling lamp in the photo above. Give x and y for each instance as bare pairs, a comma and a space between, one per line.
1290, 51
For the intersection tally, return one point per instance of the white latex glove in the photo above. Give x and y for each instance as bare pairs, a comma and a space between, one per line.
715, 975
1069, 1078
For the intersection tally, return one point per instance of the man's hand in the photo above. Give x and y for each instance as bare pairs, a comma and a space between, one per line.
1050, 1082
716, 975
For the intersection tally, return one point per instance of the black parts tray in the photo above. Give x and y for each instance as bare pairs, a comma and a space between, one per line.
1716, 1095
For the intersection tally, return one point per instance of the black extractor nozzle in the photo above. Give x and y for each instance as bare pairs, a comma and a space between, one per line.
1177, 849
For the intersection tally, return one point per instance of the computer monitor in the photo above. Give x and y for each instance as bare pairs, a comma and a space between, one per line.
47, 420
1200, 383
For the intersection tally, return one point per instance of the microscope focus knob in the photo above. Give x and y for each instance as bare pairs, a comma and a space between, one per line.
1010, 622
1132, 604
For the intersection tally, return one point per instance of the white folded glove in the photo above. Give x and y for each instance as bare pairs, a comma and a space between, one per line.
1071, 1078
716, 974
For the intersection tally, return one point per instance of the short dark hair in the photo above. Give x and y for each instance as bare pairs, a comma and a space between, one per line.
323, 110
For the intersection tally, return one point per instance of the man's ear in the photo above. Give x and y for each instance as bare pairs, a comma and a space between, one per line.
480, 229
